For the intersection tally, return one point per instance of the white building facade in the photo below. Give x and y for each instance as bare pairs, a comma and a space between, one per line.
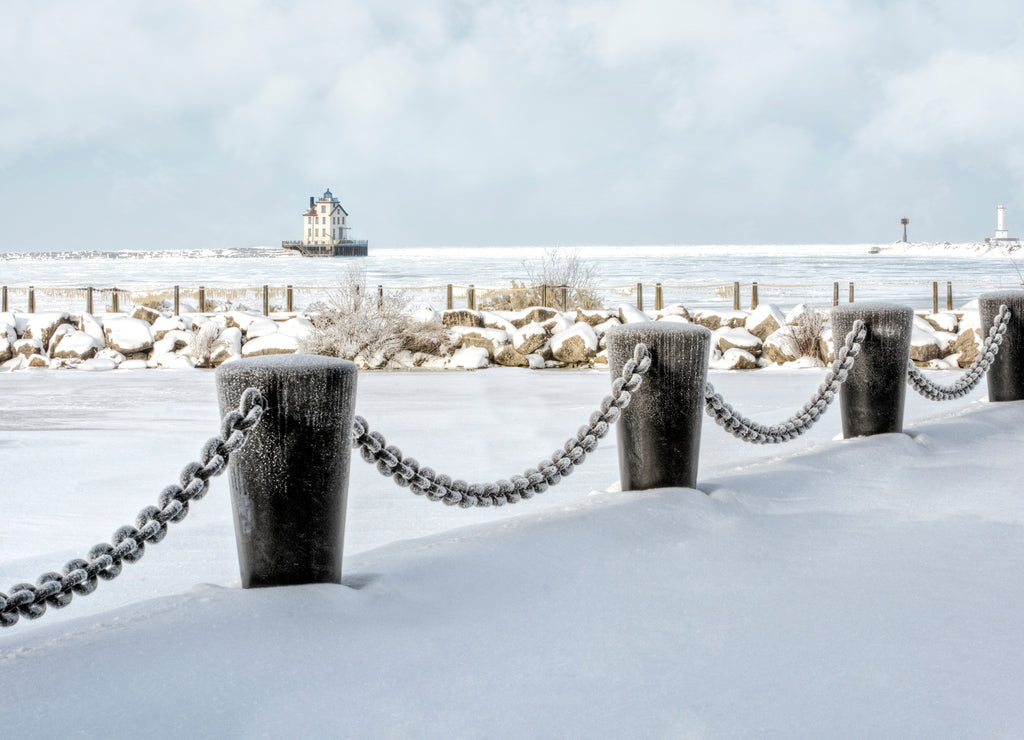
325, 221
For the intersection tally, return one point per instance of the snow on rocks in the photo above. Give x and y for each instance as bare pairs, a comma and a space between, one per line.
491, 340
41, 326
764, 320
270, 344
734, 359
529, 338
127, 335
781, 347
631, 314
576, 345
462, 317
469, 358
717, 319
6, 349
75, 345
738, 338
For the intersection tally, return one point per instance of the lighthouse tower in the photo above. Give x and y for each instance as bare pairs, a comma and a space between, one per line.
1002, 236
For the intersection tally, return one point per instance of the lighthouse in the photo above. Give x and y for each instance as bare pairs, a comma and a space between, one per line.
1002, 236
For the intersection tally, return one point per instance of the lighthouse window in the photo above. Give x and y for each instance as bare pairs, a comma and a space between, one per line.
323, 209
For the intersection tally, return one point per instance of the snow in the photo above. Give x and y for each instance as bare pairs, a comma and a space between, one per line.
859, 588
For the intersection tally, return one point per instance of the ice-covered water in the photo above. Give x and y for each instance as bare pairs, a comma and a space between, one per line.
694, 275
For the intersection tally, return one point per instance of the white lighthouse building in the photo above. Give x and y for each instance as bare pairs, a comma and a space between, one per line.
325, 230
1002, 236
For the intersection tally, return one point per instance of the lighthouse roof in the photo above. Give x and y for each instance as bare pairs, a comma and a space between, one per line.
328, 196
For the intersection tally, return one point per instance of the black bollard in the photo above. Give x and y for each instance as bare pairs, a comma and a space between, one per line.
289, 484
659, 432
871, 400
1006, 374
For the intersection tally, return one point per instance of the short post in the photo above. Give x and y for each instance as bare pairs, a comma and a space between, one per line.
563, 293
177, 300
380, 296
659, 432
871, 400
543, 295
935, 297
639, 296
471, 297
1006, 375
3, 299
31, 299
949, 296
266, 300
289, 484
88, 301
835, 293
753, 296
659, 298
202, 299
115, 306
736, 296
851, 293
289, 299
451, 298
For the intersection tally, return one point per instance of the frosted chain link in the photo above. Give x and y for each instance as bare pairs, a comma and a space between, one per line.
973, 375
129, 543
424, 481
751, 431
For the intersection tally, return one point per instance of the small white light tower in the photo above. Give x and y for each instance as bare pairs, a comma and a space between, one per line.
1002, 236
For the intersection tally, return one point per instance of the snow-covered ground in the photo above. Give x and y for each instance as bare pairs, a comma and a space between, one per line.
823, 588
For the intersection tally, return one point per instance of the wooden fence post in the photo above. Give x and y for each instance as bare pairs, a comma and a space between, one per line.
471, 297
543, 295
451, 298
31, 299
736, 296
935, 297
289, 299
115, 304
640, 296
177, 300
753, 296
88, 301
949, 296
659, 298
3, 300
202, 299
380, 296
563, 290
851, 293
266, 300
835, 294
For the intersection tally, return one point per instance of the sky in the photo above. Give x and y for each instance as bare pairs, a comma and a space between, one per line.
190, 124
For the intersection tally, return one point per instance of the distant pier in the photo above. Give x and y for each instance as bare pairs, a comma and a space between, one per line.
347, 248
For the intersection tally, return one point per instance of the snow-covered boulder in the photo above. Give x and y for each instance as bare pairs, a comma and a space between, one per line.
628, 314
560, 322
602, 328
673, 309
133, 365
534, 314
41, 326
171, 343
28, 347
764, 320
98, 364
529, 338
38, 361
147, 314
494, 321
175, 362
165, 324
508, 356
462, 317
271, 344
62, 331
113, 355
575, 345
469, 358
127, 335
734, 359
600, 359
8, 331
924, 346
298, 327
489, 339
738, 338
18, 320
261, 326
426, 315
18, 362
6, 349
241, 319
966, 346
780, 346
591, 316
943, 321
674, 318
91, 326
228, 345
76, 345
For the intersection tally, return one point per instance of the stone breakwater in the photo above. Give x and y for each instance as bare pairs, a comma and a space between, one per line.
536, 338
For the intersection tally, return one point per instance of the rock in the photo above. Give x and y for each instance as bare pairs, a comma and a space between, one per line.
127, 335
600, 359
469, 358
166, 324
537, 362
602, 328
28, 347
780, 346
764, 320
175, 362
425, 315
88, 323
727, 339
228, 345
631, 314
494, 321
507, 356
271, 344
529, 338
462, 317
943, 321
298, 327
8, 331
489, 339
76, 346
576, 345
18, 362
924, 346
674, 309
557, 324
147, 314
38, 361
535, 314
240, 319
41, 326
260, 327
674, 319
966, 347
114, 356
801, 312
734, 359
717, 319
133, 365
171, 343
62, 331
6, 349
98, 364
594, 318
18, 320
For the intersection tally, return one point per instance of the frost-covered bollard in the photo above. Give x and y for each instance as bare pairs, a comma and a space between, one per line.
871, 400
659, 432
1006, 375
289, 484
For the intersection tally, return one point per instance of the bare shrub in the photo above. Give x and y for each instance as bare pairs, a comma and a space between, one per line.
202, 343
356, 322
807, 331
557, 267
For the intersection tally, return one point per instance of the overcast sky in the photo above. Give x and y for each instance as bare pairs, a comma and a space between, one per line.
200, 123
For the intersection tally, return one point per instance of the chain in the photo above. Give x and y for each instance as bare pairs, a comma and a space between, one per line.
424, 481
751, 431
970, 379
129, 543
